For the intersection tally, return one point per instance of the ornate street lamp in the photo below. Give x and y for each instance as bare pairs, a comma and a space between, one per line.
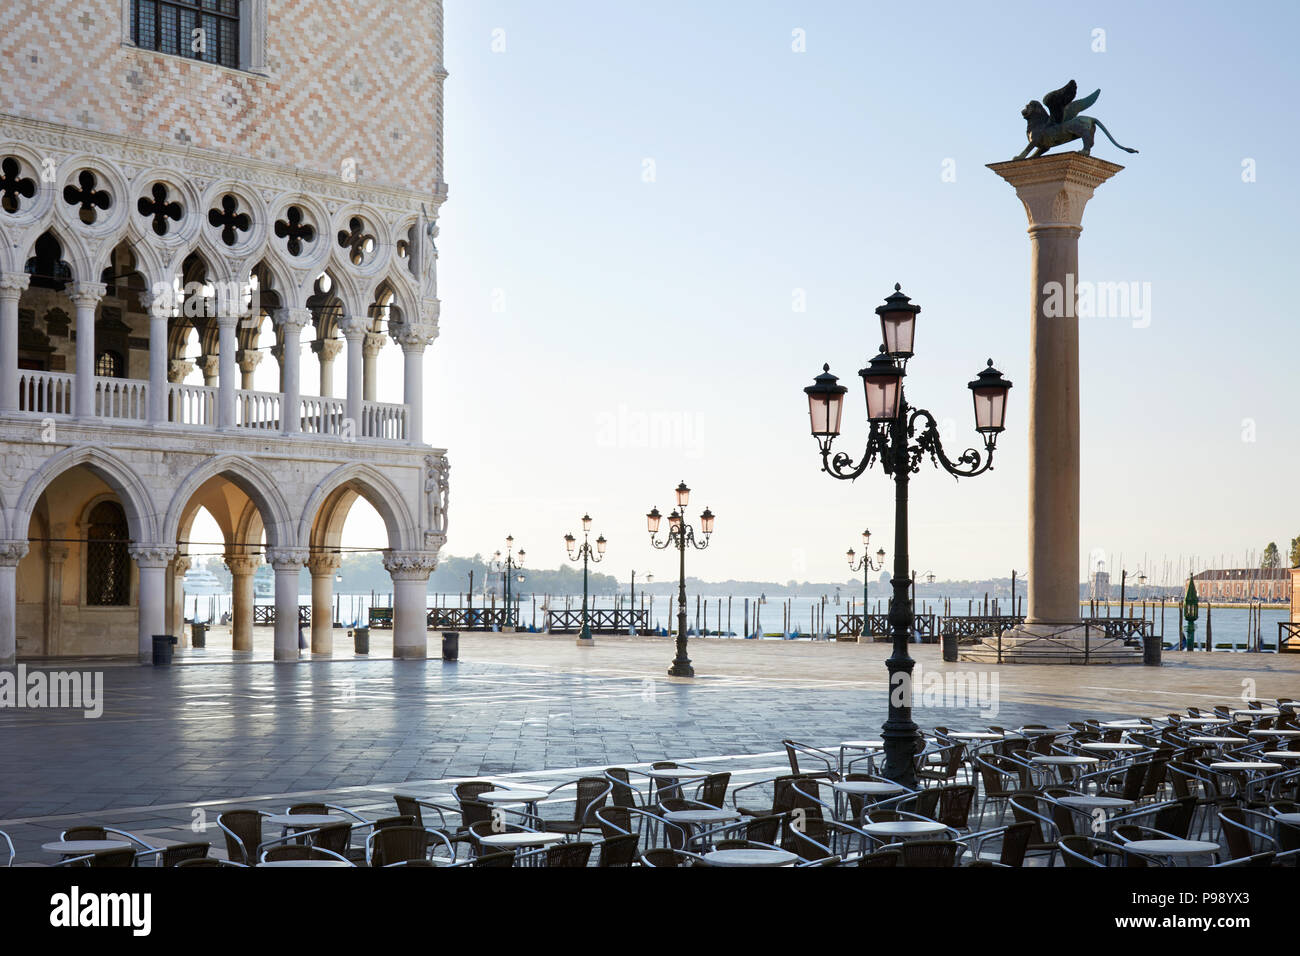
505, 567
866, 566
900, 437
649, 579
584, 553
680, 534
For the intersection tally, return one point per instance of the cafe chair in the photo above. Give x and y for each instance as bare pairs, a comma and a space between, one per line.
170, 856
243, 830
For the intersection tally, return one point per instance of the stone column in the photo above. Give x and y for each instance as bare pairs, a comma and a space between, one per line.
287, 563
1054, 190
322, 567
248, 360
176, 616
55, 556
326, 351
226, 371
410, 571
242, 598
158, 307
413, 340
374, 341
11, 552
292, 322
354, 331
85, 296
152, 561
12, 285
210, 366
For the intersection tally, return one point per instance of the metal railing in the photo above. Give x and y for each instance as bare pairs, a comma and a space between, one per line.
850, 626
1104, 640
469, 618
620, 621
264, 614
974, 628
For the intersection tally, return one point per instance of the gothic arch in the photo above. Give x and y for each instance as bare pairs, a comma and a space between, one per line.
136, 500
250, 478
327, 508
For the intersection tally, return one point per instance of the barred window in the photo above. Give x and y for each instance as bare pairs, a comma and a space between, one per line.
108, 564
206, 30
108, 364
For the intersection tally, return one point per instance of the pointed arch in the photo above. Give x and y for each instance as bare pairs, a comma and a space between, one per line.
141, 515
250, 478
323, 515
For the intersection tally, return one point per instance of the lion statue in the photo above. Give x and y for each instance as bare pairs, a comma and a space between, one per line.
1057, 120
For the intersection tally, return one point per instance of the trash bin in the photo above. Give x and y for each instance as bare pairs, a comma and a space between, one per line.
1151, 647
162, 649
199, 634
361, 639
950, 647
450, 645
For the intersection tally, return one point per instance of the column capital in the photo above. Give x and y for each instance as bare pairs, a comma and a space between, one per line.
292, 320
286, 559
56, 553
248, 360
241, 564
327, 349
152, 555
1055, 188
414, 338
374, 341
11, 552
178, 370
324, 562
13, 284
210, 365
354, 327
182, 564
410, 565
87, 294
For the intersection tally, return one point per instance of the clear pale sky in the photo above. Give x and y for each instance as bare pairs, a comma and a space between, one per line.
604, 337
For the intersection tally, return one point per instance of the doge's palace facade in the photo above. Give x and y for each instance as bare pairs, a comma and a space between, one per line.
188, 190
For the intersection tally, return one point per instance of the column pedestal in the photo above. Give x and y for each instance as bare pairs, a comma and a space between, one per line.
1054, 190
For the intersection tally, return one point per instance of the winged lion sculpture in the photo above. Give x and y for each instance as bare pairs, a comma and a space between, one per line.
1058, 119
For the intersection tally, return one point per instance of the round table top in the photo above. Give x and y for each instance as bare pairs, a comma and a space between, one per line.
521, 839
1262, 712
975, 735
1171, 847
1201, 739
1040, 731
1126, 725
1087, 802
862, 745
511, 796
83, 847
1283, 755
1103, 746
1211, 721
701, 816
1274, 733
677, 773
1062, 760
871, 787
904, 828
1245, 765
304, 863
750, 856
306, 820
1291, 818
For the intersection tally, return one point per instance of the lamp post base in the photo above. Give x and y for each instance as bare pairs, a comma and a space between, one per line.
681, 669
586, 642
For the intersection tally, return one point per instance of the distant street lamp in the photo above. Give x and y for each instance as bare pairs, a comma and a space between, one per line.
585, 554
900, 437
680, 534
506, 569
866, 566
649, 579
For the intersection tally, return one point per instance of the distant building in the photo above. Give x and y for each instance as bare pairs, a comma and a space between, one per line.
1244, 584
1099, 586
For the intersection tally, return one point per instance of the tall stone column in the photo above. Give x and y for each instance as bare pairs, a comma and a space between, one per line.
292, 322
85, 296
227, 369
287, 563
410, 571
326, 351
176, 614
414, 340
11, 552
1054, 190
55, 556
354, 331
242, 598
322, 567
374, 342
152, 560
159, 309
12, 285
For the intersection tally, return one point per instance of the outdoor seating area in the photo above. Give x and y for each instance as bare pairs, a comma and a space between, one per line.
1194, 788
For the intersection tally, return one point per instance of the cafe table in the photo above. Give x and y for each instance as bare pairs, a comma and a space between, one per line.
524, 839
84, 847
1283, 755
1126, 725
701, 817
304, 863
889, 830
1274, 733
1252, 768
1100, 746
1261, 712
863, 788
528, 796
1089, 804
1056, 761
306, 821
1204, 721
1172, 849
750, 856
868, 747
